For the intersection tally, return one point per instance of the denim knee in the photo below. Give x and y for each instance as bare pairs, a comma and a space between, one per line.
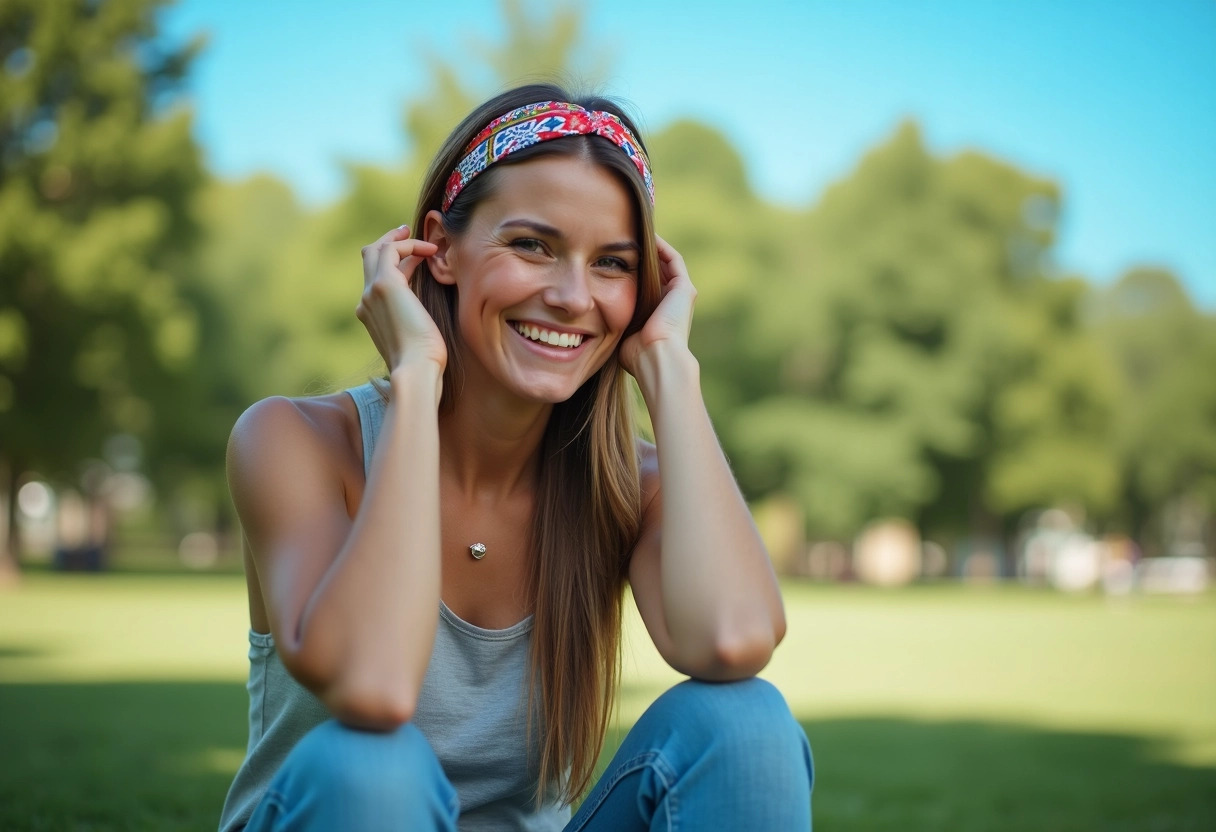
747, 720
391, 774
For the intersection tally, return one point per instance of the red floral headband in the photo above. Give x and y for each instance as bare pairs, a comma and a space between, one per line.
540, 122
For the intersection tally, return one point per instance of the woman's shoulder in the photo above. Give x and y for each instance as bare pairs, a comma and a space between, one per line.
327, 417
324, 429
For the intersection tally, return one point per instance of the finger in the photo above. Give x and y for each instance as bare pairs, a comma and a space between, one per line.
372, 249
405, 255
398, 233
677, 306
402, 248
667, 252
405, 248
678, 293
675, 265
671, 262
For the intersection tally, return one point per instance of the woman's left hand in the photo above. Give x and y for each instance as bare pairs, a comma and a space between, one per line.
668, 326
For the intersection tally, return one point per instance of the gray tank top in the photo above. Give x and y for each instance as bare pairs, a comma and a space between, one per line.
471, 709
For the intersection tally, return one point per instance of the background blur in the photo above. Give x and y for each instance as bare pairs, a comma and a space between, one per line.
956, 323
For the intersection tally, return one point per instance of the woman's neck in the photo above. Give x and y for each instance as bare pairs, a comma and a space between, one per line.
489, 442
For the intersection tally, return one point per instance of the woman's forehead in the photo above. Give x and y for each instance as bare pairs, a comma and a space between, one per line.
565, 192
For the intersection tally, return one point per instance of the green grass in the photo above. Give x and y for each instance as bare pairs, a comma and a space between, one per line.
122, 705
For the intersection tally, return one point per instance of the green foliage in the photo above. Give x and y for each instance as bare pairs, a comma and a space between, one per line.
1165, 351
915, 302
737, 250
1053, 418
97, 166
844, 467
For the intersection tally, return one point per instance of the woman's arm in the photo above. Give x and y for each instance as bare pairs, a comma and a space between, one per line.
372, 619
702, 578
353, 605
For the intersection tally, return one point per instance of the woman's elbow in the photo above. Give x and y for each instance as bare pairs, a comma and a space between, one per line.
361, 700
779, 627
735, 653
370, 707
739, 656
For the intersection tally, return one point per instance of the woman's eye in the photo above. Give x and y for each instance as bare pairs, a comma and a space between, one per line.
614, 263
528, 244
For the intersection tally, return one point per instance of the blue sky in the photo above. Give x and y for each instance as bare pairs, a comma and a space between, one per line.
1115, 100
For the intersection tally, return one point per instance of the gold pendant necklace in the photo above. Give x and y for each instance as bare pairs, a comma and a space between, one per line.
478, 551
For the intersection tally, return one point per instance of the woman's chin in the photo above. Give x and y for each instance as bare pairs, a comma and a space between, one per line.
554, 393
552, 387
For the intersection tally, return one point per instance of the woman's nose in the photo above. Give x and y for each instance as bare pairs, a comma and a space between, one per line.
570, 291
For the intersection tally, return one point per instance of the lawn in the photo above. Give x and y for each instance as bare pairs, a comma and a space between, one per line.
122, 705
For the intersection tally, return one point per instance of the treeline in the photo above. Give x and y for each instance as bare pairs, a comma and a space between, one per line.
906, 347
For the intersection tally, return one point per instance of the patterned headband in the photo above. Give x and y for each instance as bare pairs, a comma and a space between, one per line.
540, 122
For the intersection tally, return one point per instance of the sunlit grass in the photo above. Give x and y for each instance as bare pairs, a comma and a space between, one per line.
1003, 653
122, 704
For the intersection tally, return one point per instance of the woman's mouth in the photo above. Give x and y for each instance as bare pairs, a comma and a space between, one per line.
549, 342
547, 336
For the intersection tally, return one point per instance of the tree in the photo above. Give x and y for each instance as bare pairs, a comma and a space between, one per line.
1165, 350
737, 249
97, 167
925, 363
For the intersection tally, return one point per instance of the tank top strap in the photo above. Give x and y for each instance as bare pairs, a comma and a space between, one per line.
371, 409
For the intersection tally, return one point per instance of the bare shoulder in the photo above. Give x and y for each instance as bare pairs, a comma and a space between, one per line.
326, 417
279, 438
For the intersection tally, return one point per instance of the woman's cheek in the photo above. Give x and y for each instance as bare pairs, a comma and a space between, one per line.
624, 305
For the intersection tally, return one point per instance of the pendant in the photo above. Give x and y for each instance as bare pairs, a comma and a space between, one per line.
478, 551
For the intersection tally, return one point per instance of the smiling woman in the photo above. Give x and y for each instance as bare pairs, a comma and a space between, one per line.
436, 560
552, 251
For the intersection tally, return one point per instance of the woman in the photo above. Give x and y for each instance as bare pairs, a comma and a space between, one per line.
436, 560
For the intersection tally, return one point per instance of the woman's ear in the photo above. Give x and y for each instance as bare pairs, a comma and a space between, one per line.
441, 263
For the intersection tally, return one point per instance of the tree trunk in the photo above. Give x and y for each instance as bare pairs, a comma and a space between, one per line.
10, 540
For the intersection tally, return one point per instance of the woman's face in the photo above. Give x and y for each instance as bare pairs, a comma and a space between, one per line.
552, 256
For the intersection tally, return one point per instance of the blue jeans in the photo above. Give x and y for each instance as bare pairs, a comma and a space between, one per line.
704, 756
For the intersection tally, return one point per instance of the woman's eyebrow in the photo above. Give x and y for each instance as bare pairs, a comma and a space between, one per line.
550, 231
532, 225
624, 245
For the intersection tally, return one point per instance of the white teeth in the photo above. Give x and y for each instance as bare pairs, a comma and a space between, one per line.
556, 339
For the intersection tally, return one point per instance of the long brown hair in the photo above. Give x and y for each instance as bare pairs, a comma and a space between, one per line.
588, 506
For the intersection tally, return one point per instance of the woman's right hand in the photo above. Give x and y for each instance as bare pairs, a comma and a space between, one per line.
401, 328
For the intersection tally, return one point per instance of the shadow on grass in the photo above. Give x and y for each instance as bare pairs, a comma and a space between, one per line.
145, 756
22, 651
160, 756
901, 774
